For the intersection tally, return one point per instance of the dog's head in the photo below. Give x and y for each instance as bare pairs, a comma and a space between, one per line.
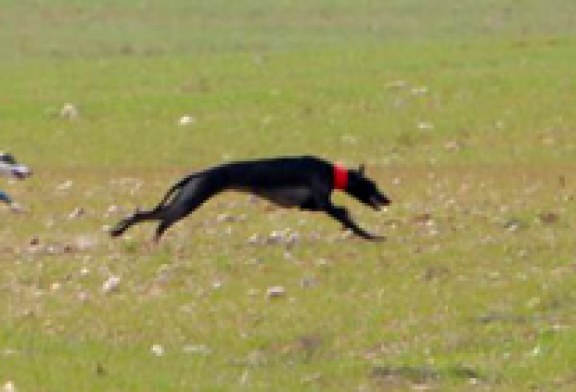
12, 167
365, 190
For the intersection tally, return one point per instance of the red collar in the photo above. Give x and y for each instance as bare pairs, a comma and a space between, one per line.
340, 177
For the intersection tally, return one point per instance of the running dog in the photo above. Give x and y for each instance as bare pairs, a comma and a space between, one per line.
10, 168
304, 182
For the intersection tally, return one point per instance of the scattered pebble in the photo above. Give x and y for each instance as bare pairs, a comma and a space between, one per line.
254, 239
311, 378
217, 285
286, 237
65, 185
111, 284
69, 111
419, 90
291, 239
9, 386
244, 377
8, 352
186, 120
17, 208
199, 349
453, 145
114, 210
157, 350
398, 84
513, 225
322, 262
84, 243
425, 126
275, 292
77, 213
275, 237
224, 217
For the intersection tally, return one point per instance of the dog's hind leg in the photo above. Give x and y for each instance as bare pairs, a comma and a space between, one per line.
164, 210
137, 217
175, 213
183, 205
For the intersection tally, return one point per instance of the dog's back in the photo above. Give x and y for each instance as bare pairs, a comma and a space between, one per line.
271, 173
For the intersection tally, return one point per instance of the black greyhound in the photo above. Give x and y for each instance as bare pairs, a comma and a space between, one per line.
304, 182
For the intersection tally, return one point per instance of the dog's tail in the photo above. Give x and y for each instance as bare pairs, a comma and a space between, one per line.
171, 194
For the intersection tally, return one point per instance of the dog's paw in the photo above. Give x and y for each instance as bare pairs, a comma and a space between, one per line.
117, 230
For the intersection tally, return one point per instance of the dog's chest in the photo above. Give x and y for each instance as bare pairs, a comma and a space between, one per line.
286, 196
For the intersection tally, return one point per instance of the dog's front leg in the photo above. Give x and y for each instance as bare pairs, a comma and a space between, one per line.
342, 215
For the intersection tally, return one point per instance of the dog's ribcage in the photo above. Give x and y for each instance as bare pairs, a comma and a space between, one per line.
284, 196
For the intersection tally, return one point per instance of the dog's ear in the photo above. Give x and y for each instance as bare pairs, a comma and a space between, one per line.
362, 169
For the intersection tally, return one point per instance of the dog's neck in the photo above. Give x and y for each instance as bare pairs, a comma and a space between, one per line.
340, 177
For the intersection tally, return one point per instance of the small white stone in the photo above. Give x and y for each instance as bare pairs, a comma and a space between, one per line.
77, 213
157, 349
187, 120
65, 185
275, 237
111, 284
397, 84
199, 349
69, 111
425, 126
419, 90
9, 387
275, 292
254, 239
217, 284
113, 210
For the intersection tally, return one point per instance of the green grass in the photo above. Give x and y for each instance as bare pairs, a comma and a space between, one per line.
464, 113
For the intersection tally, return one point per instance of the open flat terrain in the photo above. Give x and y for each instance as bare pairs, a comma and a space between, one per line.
463, 111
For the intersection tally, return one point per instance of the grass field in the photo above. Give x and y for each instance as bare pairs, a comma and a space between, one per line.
463, 111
